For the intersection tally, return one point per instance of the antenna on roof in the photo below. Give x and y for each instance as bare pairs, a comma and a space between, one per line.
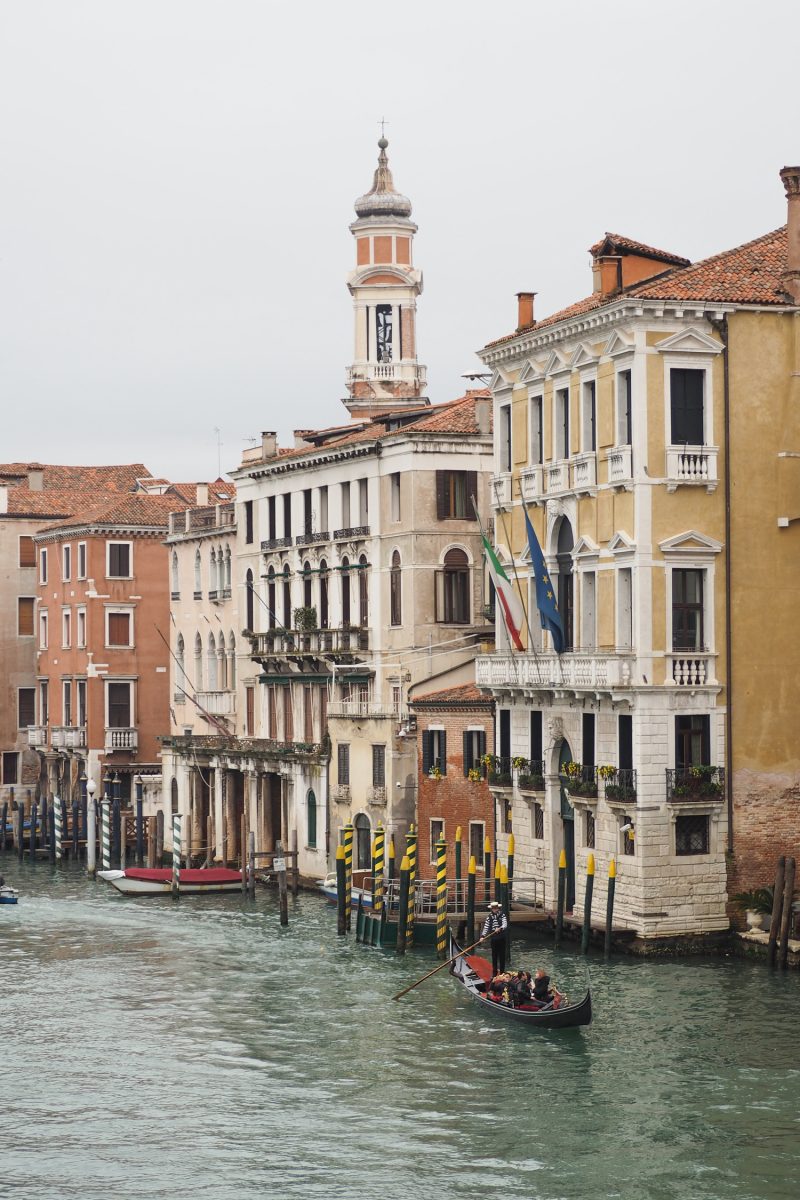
217, 431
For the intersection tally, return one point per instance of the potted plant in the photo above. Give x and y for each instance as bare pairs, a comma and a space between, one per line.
531, 783
435, 772
474, 775
755, 904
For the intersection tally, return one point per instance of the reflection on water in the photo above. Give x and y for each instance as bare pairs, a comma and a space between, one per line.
151, 1049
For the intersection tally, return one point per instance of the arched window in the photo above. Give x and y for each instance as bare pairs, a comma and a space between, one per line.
222, 677
198, 662
564, 545
180, 673
272, 598
363, 592
220, 572
452, 589
345, 590
198, 575
212, 664
395, 591
173, 795
287, 598
249, 600
323, 594
232, 662
307, 597
363, 847
311, 813
212, 571
176, 587
227, 584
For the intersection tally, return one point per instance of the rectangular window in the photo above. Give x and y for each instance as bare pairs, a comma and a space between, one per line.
308, 515
288, 715
343, 764
452, 590
504, 815
624, 608
561, 423
692, 741
119, 560
10, 768
272, 712
66, 628
44, 701
322, 522
379, 766
588, 430
536, 736
537, 820
81, 560
27, 551
287, 514
504, 438
272, 526
323, 711
26, 707
504, 732
588, 612
434, 752
625, 742
474, 748
687, 610
66, 563
395, 495
628, 840
249, 711
537, 431
437, 831
691, 835
248, 522
587, 747
686, 389
81, 628
345, 498
363, 502
42, 565
119, 628
308, 716
43, 630
25, 606
80, 688
119, 705
455, 491
477, 837
624, 418
66, 708
589, 832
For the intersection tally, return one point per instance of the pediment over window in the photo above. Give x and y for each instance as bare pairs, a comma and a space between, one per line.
585, 548
689, 341
583, 356
532, 371
617, 344
555, 364
621, 543
499, 383
690, 542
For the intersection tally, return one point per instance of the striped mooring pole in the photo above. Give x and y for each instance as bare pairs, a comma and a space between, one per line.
347, 841
459, 898
441, 898
471, 881
562, 893
105, 833
341, 892
402, 908
487, 869
377, 871
391, 863
498, 887
505, 900
58, 828
411, 854
586, 932
510, 865
176, 856
612, 883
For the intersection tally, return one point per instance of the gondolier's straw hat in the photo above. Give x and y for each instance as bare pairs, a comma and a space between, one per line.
495, 904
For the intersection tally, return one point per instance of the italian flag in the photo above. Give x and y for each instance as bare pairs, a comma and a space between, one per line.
509, 601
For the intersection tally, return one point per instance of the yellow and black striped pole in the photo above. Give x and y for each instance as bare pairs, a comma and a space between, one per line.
612, 883
411, 855
377, 871
402, 908
587, 905
441, 898
392, 865
471, 880
487, 869
510, 864
497, 869
562, 892
505, 900
341, 892
459, 898
347, 842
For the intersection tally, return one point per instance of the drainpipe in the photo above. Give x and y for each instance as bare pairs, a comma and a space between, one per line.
721, 327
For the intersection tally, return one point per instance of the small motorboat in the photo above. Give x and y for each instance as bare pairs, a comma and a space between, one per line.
474, 972
329, 889
8, 895
157, 881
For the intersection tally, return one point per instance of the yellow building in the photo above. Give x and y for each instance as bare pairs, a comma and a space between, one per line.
652, 433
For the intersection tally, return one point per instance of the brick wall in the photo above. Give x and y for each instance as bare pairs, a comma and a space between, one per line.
766, 824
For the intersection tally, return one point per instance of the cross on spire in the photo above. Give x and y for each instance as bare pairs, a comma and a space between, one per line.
383, 122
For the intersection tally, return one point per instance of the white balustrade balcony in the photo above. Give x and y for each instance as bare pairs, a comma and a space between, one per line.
70, 737
590, 670
556, 477
584, 472
532, 484
620, 466
218, 704
121, 739
692, 465
37, 736
691, 668
500, 490
406, 371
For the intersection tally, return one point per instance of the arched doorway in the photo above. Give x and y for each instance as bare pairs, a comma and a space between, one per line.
567, 825
564, 547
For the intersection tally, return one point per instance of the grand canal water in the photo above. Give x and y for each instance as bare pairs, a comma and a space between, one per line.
153, 1049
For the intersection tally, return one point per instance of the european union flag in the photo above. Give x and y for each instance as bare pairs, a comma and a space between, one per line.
545, 592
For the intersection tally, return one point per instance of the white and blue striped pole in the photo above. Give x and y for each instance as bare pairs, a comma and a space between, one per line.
176, 856
57, 825
105, 827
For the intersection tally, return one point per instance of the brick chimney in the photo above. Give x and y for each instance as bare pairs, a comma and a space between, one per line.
483, 414
525, 309
35, 479
791, 275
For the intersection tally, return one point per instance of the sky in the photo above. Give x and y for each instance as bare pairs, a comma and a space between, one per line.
177, 179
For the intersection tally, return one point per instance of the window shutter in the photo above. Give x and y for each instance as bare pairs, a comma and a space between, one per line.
442, 496
443, 752
427, 752
472, 493
119, 629
25, 616
466, 751
27, 707
481, 745
438, 595
27, 551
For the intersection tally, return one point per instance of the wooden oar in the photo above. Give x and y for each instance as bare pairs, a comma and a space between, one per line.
439, 968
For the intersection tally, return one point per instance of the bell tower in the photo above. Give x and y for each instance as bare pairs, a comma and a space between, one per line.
385, 373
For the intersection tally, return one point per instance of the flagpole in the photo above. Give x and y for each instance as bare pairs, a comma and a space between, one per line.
511, 647
525, 607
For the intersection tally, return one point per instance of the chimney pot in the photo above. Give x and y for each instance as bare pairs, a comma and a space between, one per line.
791, 275
525, 309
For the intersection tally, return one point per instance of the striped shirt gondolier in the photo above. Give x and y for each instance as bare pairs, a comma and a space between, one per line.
495, 927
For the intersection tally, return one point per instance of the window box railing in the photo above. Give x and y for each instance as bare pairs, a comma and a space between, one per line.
699, 784
311, 539
579, 779
692, 465
341, 793
174, 595
691, 668
556, 477
376, 794
531, 482
213, 596
226, 593
619, 785
218, 703
530, 776
289, 643
620, 468
37, 736
584, 471
121, 739
352, 532
275, 543
198, 595
500, 489
499, 771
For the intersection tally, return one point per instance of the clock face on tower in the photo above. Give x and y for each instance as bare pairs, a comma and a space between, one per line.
383, 332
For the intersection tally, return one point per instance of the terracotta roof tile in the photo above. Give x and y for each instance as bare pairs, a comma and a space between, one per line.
136, 509
613, 243
110, 478
55, 502
465, 693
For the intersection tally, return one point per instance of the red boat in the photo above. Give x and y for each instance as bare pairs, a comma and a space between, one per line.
157, 881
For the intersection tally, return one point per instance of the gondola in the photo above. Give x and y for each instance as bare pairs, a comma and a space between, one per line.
473, 972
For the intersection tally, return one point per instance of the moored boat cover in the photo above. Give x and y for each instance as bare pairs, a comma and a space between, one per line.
209, 876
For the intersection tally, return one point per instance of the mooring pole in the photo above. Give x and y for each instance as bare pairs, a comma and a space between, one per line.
76, 808
562, 892
402, 911
341, 887
392, 865
497, 874
441, 898
176, 856
471, 879
139, 821
612, 882
377, 872
505, 900
279, 864
32, 837
91, 830
586, 932
487, 869
20, 828
243, 846
459, 899
105, 825
3, 818
347, 841
777, 903
56, 831
251, 862
786, 920
411, 854
159, 838
511, 848
152, 838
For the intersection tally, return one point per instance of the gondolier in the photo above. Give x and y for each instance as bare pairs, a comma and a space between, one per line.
495, 927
